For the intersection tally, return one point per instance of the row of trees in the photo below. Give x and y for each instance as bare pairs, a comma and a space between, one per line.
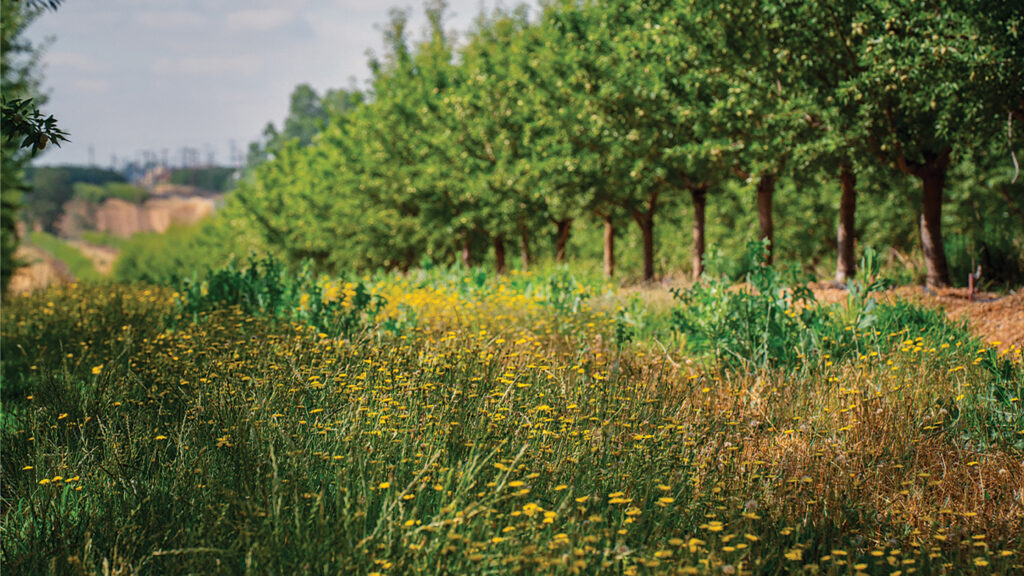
613, 110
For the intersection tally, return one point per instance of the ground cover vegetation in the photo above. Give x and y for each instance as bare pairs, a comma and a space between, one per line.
658, 130
451, 421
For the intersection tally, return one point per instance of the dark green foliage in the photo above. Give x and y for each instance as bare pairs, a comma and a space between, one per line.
50, 177
265, 287
10, 202
995, 250
774, 323
765, 324
213, 178
988, 219
22, 119
180, 252
96, 194
80, 266
24, 130
257, 288
52, 186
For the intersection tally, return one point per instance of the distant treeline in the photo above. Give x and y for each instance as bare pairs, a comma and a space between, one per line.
96, 194
211, 178
51, 186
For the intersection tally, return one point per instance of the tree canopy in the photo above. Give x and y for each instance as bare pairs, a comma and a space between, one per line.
532, 125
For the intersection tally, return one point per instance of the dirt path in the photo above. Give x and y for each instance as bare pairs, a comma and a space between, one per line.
102, 257
41, 269
993, 317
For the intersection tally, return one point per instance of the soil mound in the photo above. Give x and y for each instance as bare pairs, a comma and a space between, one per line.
41, 269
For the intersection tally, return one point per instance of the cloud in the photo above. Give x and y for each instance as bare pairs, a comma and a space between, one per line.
240, 65
92, 86
370, 7
261, 20
170, 19
77, 61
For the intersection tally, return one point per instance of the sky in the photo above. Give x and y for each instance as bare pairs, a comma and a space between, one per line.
127, 76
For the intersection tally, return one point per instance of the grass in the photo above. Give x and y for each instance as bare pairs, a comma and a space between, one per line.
104, 239
81, 267
479, 425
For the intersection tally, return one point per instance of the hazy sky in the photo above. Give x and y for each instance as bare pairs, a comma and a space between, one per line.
131, 75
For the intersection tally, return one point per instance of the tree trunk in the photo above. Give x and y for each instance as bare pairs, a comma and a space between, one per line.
646, 222
846, 266
609, 247
467, 260
499, 253
700, 199
765, 192
562, 239
524, 246
933, 177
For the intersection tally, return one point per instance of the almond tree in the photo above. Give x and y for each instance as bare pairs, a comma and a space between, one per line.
620, 105
816, 48
568, 166
761, 112
407, 163
933, 78
491, 115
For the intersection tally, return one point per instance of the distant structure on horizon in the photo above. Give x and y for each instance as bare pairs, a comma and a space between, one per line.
142, 169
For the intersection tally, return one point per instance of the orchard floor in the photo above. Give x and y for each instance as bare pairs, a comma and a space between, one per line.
992, 317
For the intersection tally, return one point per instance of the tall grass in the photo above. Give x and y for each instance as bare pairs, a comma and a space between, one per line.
496, 429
